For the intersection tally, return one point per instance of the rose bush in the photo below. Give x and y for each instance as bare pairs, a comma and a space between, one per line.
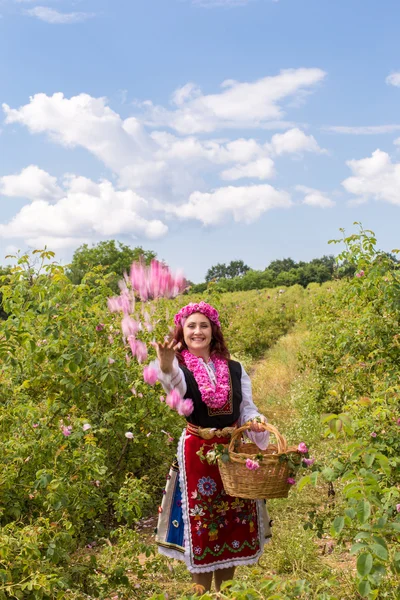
85, 441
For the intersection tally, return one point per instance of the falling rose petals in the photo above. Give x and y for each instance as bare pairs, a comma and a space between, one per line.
155, 281
129, 326
132, 341
185, 407
141, 351
150, 375
121, 303
173, 399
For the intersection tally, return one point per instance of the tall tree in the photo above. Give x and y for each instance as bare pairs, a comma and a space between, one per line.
113, 257
216, 272
282, 265
236, 268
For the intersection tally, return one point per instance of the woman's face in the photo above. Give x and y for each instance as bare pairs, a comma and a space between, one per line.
197, 334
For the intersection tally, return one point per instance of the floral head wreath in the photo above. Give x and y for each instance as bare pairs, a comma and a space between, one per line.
202, 307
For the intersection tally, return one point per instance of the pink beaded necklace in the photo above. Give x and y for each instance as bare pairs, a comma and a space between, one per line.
213, 398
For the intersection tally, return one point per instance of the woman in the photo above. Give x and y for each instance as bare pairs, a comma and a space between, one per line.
198, 522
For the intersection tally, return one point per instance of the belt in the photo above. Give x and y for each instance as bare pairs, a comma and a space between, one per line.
207, 433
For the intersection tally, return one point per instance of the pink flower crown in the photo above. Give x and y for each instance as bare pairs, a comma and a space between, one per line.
201, 307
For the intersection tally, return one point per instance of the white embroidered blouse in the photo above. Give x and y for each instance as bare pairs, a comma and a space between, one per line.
248, 410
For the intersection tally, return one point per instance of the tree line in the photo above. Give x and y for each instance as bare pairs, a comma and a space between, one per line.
111, 258
237, 276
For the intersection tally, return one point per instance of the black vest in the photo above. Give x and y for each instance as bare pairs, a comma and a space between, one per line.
203, 416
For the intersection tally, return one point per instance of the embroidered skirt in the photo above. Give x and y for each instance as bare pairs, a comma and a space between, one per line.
199, 523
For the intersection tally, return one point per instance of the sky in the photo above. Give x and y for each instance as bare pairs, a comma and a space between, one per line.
204, 130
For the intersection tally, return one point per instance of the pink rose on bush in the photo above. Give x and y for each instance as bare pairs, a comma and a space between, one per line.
66, 430
308, 461
398, 508
100, 327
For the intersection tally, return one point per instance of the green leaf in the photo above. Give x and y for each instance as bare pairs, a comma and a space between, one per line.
328, 474
379, 551
303, 482
350, 512
357, 547
384, 463
362, 535
364, 564
369, 459
363, 511
314, 478
364, 589
338, 524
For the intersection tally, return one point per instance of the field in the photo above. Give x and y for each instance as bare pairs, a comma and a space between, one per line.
78, 496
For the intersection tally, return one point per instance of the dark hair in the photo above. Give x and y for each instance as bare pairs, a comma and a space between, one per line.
217, 346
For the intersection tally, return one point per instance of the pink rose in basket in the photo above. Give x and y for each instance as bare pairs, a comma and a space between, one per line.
252, 465
302, 448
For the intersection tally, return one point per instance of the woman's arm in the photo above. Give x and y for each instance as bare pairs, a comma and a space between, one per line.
172, 380
249, 411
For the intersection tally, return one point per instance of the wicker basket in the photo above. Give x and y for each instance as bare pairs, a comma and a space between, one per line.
270, 480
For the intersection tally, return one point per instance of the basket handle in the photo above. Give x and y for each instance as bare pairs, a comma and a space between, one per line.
280, 440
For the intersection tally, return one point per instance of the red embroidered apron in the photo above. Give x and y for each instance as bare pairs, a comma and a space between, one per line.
220, 531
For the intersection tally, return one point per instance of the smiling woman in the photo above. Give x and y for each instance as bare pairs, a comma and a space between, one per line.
199, 522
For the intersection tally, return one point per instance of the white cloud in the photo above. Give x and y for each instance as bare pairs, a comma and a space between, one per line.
154, 169
375, 177
54, 17
245, 204
393, 79
294, 141
156, 164
239, 105
363, 129
315, 198
263, 168
85, 209
31, 183
188, 92
83, 121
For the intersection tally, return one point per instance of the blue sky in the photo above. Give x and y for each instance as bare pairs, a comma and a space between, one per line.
206, 130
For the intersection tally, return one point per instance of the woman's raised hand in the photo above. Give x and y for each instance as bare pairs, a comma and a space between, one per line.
166, 354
